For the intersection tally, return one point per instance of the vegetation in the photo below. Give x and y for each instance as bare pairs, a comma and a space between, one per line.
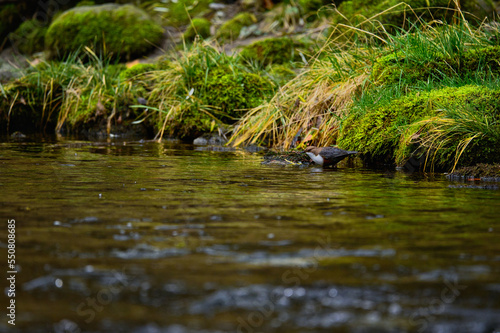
29, 37
205, 89
197, 27
231, 29
272, 51
439, 123
431, 91
72, 94
121, 31
177, 13
393, 15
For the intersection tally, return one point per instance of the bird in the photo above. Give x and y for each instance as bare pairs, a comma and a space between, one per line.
327, 156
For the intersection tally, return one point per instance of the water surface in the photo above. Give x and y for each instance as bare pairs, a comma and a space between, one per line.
148, 237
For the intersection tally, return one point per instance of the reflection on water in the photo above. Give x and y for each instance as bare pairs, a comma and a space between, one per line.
146, 237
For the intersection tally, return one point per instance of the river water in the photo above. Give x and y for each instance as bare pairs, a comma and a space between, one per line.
165, 237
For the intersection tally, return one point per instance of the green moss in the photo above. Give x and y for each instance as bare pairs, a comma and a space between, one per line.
272, 51
179, 13
203, 90
231, 91
137, 70
228, 91
231, 29
396, 67
312, 7
198, 27
29, 37
121, 31
378, 133
281, 74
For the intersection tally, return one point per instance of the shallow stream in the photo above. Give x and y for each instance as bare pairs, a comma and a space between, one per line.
147, 237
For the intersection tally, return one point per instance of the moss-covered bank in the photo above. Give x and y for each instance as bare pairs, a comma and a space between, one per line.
437, 123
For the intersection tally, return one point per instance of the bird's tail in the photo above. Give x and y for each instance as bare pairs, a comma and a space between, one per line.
352, 152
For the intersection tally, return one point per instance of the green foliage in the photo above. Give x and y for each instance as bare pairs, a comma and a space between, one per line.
70, 93
395, 14
231, 29
197, 27
32, 102
419, 57
204, 89
312, 6
29, 37
281, 74
232, 90
460, 135
388, 133
121, 31
178, 13
137, 70
272, 51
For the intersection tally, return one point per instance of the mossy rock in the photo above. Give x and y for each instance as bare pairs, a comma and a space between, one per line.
272, 51
232, 91
421, 10
197, 27
221, 95
396, 67
378, 133
122, 31
179, 13
137, 70
29, 37
231, 29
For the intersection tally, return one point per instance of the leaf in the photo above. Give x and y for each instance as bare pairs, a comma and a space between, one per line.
308, 137
138, 121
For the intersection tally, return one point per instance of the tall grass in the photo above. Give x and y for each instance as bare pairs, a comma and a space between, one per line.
445, 138
374, 68
94, 92
310, 105
68, 92
204, 89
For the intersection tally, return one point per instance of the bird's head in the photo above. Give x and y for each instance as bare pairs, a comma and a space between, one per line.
311, 149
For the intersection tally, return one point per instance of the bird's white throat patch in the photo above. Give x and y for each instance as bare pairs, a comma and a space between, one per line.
316, 158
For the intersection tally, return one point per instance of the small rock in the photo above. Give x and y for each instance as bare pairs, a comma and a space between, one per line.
210, 139
18, 136
216, 6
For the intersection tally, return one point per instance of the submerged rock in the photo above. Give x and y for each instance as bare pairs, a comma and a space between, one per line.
210, 139
479, 172
18, 136
286, 158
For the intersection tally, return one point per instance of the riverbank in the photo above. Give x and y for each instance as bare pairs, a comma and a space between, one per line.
428, 93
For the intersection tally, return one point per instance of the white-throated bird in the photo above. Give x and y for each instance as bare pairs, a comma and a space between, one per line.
327, 156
